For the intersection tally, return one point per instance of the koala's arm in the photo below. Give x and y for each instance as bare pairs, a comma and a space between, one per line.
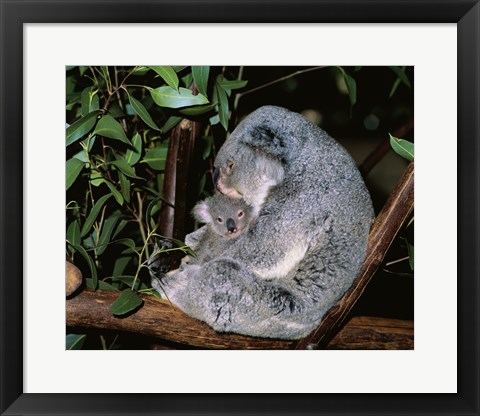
193, 239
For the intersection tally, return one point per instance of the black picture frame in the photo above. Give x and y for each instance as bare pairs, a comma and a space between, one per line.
465, 13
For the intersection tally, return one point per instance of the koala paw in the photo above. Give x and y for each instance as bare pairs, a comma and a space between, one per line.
160, 261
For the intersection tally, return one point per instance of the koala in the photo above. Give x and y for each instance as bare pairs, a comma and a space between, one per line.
225, 219
312, 213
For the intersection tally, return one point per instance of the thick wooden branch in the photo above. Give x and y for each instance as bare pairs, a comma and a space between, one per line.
159, 319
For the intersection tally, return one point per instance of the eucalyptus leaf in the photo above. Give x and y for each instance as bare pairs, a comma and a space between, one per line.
402, 147
351, 87
151, 205
411, 260
125, 168
73, 169
81, 127
115, 192
198, 110
106, 232
222, 106
394, 87
171, 123
121, 264
96, 178
94, 214
125, 186
91, 265
400, 71
168, 74
231, 84
200, 76
75, 341
133, 156
73, 233
156, 157
126, 302
107, 126
168, 97
143, 113
90, 101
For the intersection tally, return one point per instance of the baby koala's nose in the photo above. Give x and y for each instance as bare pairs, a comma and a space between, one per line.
231, 226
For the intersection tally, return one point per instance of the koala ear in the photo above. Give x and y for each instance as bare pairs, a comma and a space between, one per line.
267, 140
201, 212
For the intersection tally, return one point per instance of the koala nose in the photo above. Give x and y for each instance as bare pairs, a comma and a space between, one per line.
231, 226
216, 174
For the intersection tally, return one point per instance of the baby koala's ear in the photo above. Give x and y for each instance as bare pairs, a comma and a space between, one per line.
201, 212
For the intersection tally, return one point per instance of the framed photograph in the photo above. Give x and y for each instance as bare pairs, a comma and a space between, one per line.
436, 41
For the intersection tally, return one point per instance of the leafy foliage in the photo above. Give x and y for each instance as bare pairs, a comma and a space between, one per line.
116, 144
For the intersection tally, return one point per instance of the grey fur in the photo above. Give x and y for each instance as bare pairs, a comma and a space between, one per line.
307, 245
217, 212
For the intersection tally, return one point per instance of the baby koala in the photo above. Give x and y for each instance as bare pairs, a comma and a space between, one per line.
225, 218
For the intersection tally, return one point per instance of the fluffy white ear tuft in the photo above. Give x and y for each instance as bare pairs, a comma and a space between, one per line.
202, 213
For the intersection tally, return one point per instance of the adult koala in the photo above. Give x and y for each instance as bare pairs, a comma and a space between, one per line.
307, 246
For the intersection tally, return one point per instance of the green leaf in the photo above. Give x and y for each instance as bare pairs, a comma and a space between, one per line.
168, 97
106, 232
168, 74
401, 74
126, 242
133, 156
156, 157
143, 113
207, 149
90, 101
73, 233
94, 214
96, 178
394, 87
107, 126
178, 68
91, 265
410, 256
125, 168
232, 84
81, 127
121, 264
351, 87
148, 214
116, 194
75, 341
196, 111
171, 123
127, 302
402, 147
82, 154
125, 186
73, 169
200, 76
222, 106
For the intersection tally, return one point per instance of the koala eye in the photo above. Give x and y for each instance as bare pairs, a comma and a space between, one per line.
219, 220
230, 166
240, 214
